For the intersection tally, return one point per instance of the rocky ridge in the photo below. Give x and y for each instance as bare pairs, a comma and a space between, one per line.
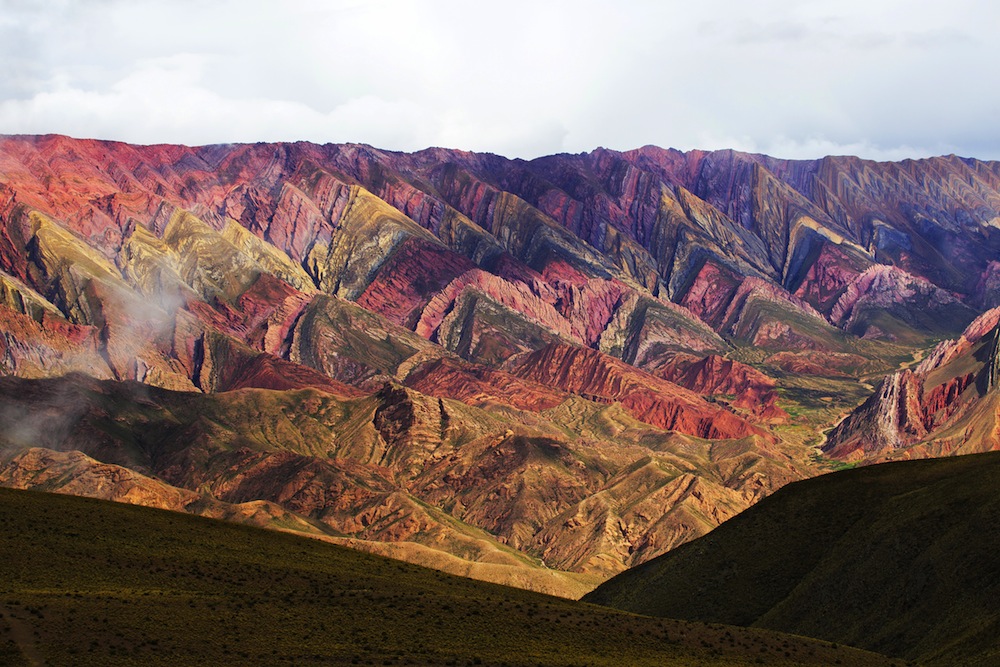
944, 405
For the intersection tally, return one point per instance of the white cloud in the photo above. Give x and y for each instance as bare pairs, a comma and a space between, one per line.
882, 78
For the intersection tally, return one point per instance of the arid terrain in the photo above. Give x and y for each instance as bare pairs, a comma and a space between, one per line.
537, 373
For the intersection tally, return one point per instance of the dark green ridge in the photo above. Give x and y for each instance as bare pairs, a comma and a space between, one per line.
900, 558
88, 582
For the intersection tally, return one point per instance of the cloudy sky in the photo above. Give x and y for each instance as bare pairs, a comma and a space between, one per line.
884, 79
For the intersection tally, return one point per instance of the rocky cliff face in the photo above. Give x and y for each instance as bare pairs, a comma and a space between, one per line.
945, 405
890, 419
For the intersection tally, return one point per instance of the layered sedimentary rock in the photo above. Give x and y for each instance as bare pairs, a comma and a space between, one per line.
597, 376
586, 359
883, 300
476, 385
394, 466
75, 473
744, 386
946, 405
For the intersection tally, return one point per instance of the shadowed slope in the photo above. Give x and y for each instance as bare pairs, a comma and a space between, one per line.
94, 583
900, 558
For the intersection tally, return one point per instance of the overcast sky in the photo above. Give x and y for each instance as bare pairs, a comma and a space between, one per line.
883, 79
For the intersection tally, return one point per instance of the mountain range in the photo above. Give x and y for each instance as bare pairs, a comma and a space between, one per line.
538, 373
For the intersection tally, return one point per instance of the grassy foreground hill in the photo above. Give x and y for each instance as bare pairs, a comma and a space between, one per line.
901, 558
89, 582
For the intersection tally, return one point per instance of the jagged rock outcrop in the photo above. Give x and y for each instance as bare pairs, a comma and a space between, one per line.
891, 418
946, 405
883, 300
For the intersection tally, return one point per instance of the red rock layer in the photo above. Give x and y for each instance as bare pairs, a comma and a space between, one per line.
475, 385
881, 287
298, 219
941, 402
591, 304
828, 277
743, 318
757, 288
710, 293
516, 296
262, 317
593, 374
413, 275
266, 371
53, 346
750, 389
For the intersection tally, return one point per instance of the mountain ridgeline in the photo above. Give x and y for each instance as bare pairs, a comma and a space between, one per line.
538, 373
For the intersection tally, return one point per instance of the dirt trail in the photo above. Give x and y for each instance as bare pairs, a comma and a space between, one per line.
20, 632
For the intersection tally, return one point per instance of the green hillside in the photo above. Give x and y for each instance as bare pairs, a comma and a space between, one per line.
901, 558
89, 582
